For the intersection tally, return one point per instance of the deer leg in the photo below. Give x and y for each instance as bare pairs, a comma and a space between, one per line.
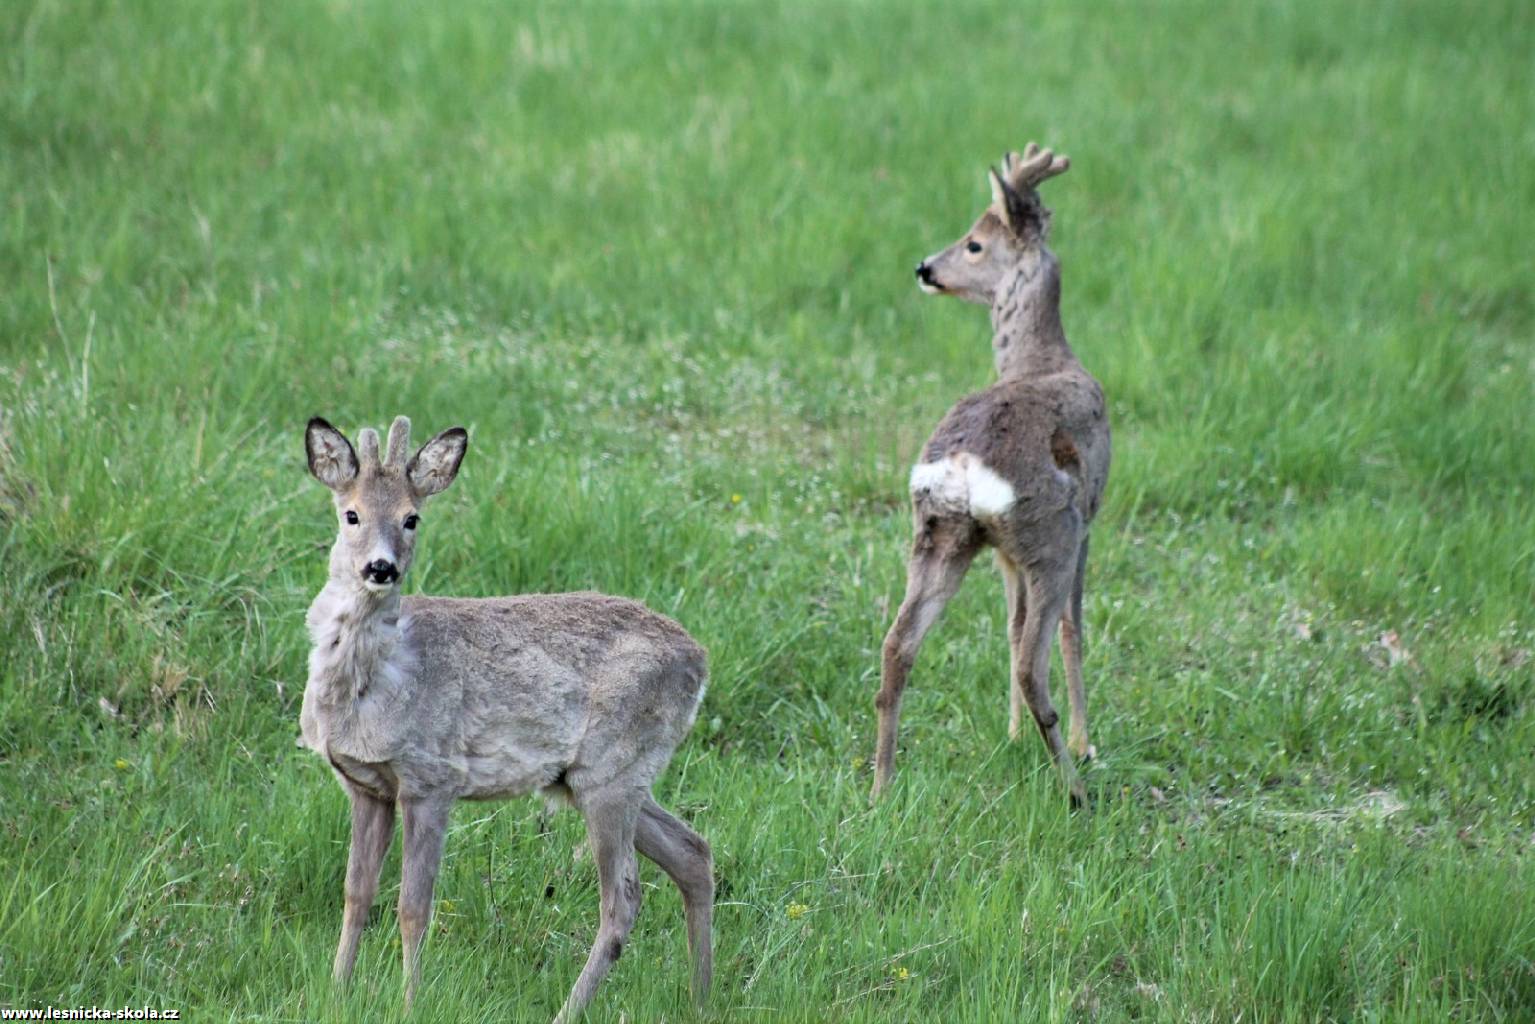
684, 856
610, 826
933, 576
1071, 658
424, 823
1048, 593
1013, 586
372, 828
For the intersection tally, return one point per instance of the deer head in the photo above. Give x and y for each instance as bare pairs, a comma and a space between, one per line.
1011, 230
378, 501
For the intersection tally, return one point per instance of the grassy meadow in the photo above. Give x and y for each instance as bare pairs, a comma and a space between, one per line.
657, 258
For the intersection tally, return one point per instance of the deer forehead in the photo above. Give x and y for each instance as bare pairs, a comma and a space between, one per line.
988, 224
379, 492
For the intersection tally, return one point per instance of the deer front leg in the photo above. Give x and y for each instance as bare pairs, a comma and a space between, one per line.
424, 824
372, 828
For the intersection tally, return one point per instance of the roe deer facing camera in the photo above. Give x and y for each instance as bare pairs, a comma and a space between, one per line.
420, 701
1019, 467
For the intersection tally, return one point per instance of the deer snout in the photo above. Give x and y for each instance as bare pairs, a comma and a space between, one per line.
381, 571
925, 279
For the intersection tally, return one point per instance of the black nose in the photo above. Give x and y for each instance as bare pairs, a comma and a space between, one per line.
380, 570
924, 273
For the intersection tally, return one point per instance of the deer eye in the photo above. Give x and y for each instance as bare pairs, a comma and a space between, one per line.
351, 518
411, 521
972, 246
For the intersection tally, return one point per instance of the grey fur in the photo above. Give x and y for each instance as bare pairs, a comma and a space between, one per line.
420, 701
1019, 467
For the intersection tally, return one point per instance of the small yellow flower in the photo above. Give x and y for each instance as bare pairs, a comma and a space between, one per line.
121, 765
900, 974
446, 906
797, 911
735, 499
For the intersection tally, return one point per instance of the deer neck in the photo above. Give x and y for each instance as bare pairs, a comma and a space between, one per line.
358, 645
1027, 337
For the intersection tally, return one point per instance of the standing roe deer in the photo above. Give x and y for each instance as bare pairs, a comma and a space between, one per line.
1020, 466
420, 701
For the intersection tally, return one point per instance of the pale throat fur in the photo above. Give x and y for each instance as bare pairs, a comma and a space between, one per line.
359, 651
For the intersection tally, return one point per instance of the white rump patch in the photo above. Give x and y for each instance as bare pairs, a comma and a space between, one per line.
929, 476
990, 495
963, 483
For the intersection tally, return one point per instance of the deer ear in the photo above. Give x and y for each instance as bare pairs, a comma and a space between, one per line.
999, 193
1009, 205
331, 458
1020, 215
433, 468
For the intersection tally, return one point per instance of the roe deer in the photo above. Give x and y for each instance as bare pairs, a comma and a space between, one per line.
1020, 467
420, 701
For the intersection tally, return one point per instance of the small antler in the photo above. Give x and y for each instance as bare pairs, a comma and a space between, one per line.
367, 448
399, 443
1036, 165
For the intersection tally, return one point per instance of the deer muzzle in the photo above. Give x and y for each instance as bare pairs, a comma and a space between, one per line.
381, 572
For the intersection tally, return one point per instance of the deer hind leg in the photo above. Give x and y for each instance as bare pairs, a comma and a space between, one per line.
1012, 584
684, 856
610, 826
1048, 593
372, 828
1071, 657
940, 558
423, 825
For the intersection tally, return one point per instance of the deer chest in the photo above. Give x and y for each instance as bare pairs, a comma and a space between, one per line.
377, 780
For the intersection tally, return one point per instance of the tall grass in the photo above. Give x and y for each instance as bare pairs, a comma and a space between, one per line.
656, 257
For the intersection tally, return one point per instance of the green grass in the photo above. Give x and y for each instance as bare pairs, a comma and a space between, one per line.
657, 258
